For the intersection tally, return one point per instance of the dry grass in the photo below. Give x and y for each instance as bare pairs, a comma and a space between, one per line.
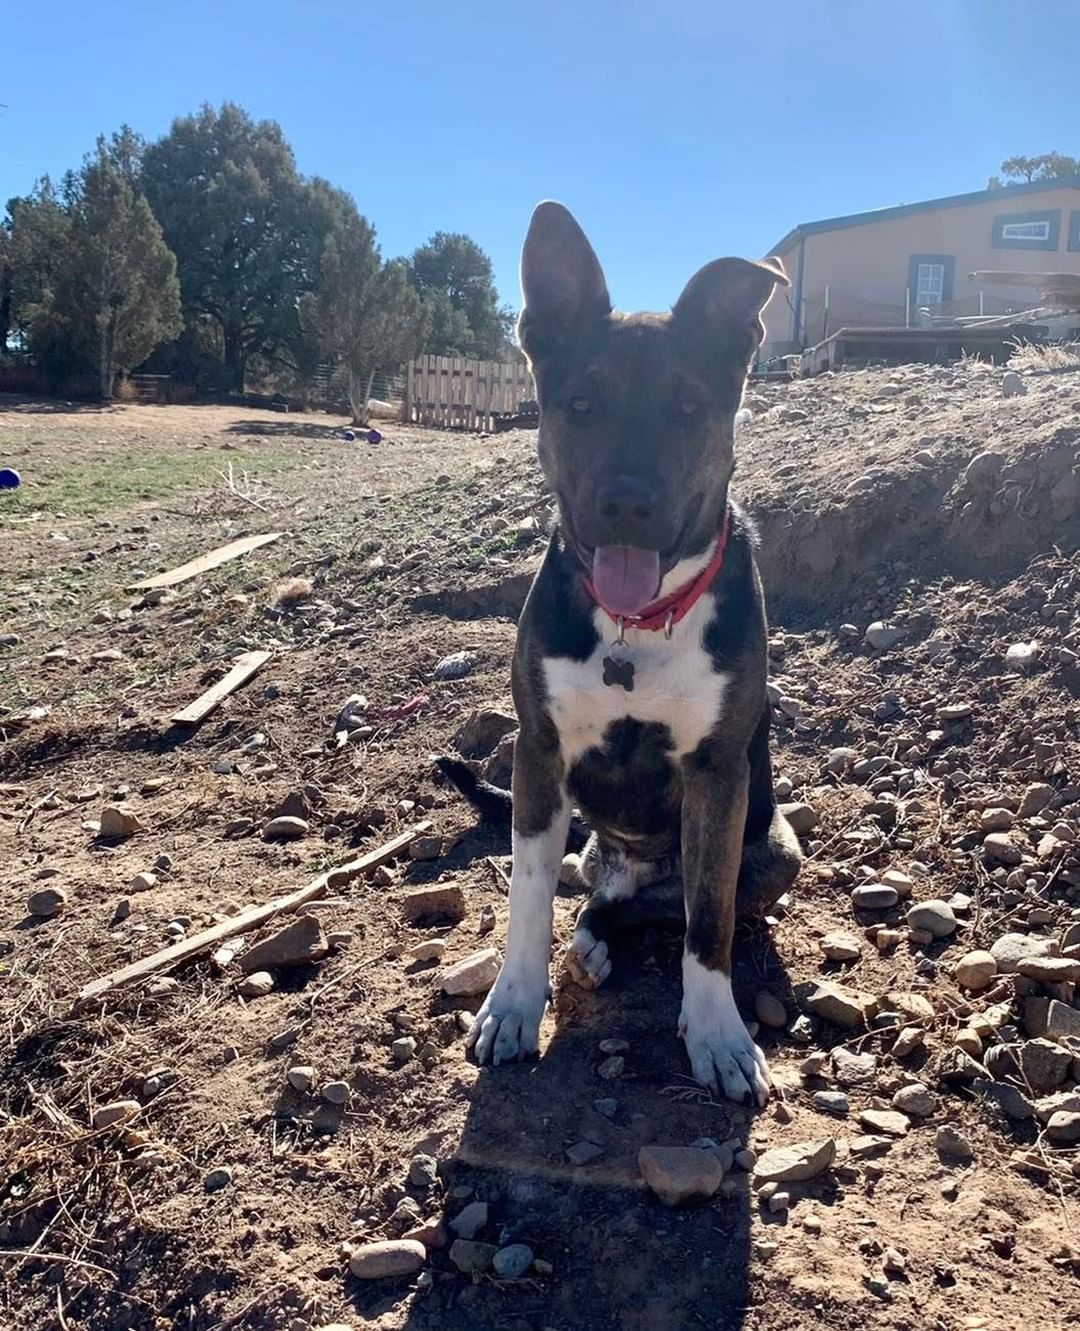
1038, 359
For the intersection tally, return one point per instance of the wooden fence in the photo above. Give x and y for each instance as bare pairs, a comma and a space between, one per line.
464, 394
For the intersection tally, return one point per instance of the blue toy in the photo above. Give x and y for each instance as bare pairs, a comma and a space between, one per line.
9, 479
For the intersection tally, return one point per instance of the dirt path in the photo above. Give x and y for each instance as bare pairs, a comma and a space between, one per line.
415, 550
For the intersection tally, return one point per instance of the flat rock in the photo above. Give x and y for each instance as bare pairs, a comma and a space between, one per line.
680, 1175
336, 1092
1063, 1128
916, 1100
832, 1102
455, 666
285, 828
1010, 949
840, 946
887, 1121
999, 848
1060, 1100
976, 969
299, 943
796, 1163
470, 1256
445, 901
957, 1066
482, 731
907, 1041
880, 635
1044, 1064
1050, 970
802, 817
844, 1007
1012, 1102
853, 1069
949, 1140
46, 902
423, 1171
935, 917
143, 882
425, 848
119, 1111
770, 1011
256, 985
388, 1257
584, 1153
301, 1077
511, 1262
470, 1220
913, 1006
874, 896
995, 820
1035, 798
118, 821
1062, 1021
474, 974
432, 949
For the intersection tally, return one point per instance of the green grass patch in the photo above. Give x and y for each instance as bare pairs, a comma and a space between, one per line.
125, 480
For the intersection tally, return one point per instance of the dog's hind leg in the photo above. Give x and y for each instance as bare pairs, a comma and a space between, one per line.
614, 877
771, 856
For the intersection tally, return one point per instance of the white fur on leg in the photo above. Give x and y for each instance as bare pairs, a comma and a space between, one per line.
508, 1024
722, 1054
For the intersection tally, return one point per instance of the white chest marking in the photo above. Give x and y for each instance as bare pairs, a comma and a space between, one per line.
674, 684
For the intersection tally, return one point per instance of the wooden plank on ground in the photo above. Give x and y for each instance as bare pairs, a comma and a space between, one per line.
242, 671
204, 563
252, 918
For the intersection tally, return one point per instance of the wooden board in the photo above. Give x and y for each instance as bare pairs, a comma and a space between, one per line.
249, 919
204, 563
242, 671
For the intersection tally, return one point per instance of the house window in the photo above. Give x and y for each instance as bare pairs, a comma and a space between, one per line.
930, 279
930, 284
1074, 230
1027, 231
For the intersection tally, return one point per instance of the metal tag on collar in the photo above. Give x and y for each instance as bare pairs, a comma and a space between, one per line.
669, 624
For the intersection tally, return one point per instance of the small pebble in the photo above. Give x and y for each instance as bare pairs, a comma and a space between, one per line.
511, 1263
218, 1178
770, 1011
301, 1077
47, 902
336, 1092
976, 969
256, 985
423, 1171
933, 917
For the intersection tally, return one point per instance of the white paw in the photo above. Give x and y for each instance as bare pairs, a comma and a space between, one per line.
508, 1024
723, 1057
587, 959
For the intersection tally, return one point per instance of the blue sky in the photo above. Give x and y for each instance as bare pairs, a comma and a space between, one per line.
676, 130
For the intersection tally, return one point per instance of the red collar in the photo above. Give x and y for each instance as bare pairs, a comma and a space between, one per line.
669, 610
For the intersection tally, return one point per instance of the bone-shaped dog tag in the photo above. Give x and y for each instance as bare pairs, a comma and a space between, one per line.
619, 672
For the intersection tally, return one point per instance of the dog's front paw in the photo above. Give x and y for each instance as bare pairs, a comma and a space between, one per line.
729, 1061
508, 1023
723, 1057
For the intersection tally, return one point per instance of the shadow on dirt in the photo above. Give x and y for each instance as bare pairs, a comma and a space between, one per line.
619, 1260
287, 428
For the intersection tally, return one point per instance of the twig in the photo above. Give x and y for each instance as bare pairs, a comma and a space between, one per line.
28, 817
497, 870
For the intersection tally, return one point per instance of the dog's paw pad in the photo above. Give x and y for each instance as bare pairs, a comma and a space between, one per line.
588, 960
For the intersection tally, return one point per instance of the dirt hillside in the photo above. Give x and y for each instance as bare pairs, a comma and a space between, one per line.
206, 1149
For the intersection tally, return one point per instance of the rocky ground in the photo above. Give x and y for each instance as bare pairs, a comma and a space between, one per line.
284, 1132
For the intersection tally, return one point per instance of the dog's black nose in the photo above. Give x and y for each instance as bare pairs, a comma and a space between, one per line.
626, 508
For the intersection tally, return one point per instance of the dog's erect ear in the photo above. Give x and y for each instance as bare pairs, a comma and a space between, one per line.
730, 293
561, 280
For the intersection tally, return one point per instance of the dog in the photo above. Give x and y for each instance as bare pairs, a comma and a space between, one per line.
640, 664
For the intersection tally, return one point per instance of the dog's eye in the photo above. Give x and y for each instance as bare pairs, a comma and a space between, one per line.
580, 406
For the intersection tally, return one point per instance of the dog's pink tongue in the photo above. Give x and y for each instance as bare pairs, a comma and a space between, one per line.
626, 578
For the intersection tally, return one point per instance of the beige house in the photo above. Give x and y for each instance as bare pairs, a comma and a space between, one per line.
878, 269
